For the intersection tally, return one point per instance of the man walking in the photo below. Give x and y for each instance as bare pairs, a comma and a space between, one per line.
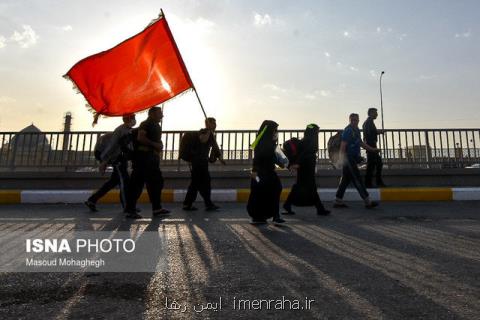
350, 158
374, 160
205, 150
145, 165
115, 152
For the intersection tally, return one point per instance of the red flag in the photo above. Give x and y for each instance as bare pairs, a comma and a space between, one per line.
140, 72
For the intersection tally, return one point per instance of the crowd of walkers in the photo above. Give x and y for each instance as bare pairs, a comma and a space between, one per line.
142, 146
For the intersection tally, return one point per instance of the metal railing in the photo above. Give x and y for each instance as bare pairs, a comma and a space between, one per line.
402, 148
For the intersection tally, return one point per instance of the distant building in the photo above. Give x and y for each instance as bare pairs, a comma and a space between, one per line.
26, 148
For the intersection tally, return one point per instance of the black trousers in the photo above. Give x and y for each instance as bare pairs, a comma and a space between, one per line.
200, 183
118, 177
350, 173
374, 163
146, 171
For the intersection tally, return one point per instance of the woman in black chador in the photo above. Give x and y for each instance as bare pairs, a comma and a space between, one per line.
265, 186
304, 191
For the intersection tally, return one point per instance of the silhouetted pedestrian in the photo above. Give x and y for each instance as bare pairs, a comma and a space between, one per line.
205, 150
265, 186
374, 160
115, 151
304, 191
146, 165
350, 158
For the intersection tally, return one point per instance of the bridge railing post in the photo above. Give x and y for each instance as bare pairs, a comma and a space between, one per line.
427, 149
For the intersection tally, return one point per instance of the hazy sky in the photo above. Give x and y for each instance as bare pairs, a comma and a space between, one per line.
295, 62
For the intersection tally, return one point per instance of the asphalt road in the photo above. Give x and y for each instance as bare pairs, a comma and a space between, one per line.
399, 261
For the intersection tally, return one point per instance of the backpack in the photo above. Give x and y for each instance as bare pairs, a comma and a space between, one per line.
291, 149
126, 143
101, 144
333, 147
187, 145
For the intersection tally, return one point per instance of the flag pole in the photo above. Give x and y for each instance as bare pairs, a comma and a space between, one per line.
199, 101
161, 121
178, 51
381, 109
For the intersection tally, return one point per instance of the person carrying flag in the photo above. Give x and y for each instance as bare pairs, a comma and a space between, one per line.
205, 150
146, 165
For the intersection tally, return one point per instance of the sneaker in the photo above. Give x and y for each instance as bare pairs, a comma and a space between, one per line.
323, 212
258, 221
133, 215
161, 212
278, 220
212, 208
190, 208
372, 204
91, 205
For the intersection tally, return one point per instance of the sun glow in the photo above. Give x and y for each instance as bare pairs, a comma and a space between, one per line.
204, 64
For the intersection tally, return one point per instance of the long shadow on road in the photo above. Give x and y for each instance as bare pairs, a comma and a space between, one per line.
353, 265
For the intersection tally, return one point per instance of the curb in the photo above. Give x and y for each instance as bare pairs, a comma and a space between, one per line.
241, 195
10, 196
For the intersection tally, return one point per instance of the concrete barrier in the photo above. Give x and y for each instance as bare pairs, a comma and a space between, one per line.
416, 194
10, 196
241, 195
466, 194
238, 179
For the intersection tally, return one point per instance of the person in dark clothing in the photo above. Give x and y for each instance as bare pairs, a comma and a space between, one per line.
115, 154
145, 165
350, 157
374, 160
265, 186
205, 150
304, 191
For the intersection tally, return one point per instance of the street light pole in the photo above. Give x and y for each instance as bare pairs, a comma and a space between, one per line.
381, 110
381, 98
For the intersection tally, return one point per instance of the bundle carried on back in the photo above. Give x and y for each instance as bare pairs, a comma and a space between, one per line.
101, 145
187, 145
292, 148
127, 143
333, 146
